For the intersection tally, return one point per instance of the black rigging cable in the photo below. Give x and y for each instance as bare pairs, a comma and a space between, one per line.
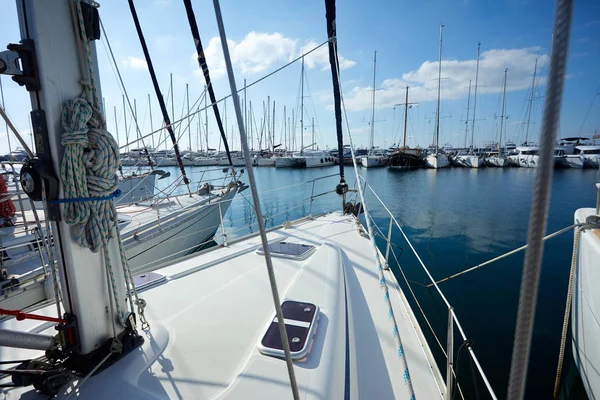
342, 188
202, 62
161, 101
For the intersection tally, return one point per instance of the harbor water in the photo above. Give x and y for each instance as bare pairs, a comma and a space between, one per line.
456, 219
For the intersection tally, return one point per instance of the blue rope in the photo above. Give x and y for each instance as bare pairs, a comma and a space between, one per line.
113, 195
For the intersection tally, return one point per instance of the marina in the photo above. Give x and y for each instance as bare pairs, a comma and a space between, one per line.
268, 252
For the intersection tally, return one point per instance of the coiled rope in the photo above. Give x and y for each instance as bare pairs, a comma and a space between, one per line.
89, 171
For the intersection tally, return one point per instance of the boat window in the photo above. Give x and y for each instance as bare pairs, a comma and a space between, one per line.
296, 251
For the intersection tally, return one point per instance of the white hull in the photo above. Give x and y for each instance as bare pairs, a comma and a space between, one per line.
498, 162
524, 161
436, 161
569, 161
373, 161
236, 161
591, 160
290, 162
470, 161
265, 162
316, 162
136, 188
205, 162
586, 307
176, 236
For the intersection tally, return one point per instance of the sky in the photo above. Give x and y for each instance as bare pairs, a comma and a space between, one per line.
264, 35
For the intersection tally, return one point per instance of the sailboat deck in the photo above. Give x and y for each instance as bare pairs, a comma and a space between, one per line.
210, 311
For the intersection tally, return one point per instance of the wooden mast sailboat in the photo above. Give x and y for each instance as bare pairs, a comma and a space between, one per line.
438, 159
406, 158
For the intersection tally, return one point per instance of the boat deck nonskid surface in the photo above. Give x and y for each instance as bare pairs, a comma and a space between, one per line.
209, 314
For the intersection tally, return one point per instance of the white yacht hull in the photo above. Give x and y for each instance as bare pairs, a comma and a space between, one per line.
316, 162
470, 161
290, 162
236, 161
524, 161
568, 161
591, 160
153, 244
436, 161
265, 162
373, 161
586, 307
205, 162
497, 162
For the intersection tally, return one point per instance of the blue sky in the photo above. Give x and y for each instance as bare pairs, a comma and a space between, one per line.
267, 34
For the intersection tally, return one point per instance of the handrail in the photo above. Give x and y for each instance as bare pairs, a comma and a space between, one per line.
434, 284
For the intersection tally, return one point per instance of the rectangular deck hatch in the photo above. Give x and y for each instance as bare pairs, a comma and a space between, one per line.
294, 251
300, 320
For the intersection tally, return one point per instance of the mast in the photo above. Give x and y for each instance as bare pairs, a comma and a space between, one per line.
245, 111
405, 118
125, 123
83, 274
437, 110
468, 108
302, 110
151, 124
475, 95
250, 117
135, 111
269, 121
273, 122
313, 133
502, 116
206, 117
172, 106
285, 136
530, 102
116, 126
373, 108
189, 127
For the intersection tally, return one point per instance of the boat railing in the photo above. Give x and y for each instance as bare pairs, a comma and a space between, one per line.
453, 322
228, 229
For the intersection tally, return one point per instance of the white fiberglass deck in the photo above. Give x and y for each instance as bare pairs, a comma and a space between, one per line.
209, 314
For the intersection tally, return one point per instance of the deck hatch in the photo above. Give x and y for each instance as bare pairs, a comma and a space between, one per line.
294, 251
300, 320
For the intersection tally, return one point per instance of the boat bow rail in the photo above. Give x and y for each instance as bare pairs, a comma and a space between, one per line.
386, 233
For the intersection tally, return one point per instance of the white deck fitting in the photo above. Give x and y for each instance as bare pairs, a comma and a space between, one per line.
209, 314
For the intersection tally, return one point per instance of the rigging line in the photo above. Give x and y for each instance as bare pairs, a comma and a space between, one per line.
4, 106
204, 66
540, 202
500, 257
11, 126
240, 90
255, 198
159, 95
112, 56
582, 123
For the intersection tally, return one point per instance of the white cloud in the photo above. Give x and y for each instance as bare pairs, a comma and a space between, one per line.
258, 51
320, 57
134, 62
456, 75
